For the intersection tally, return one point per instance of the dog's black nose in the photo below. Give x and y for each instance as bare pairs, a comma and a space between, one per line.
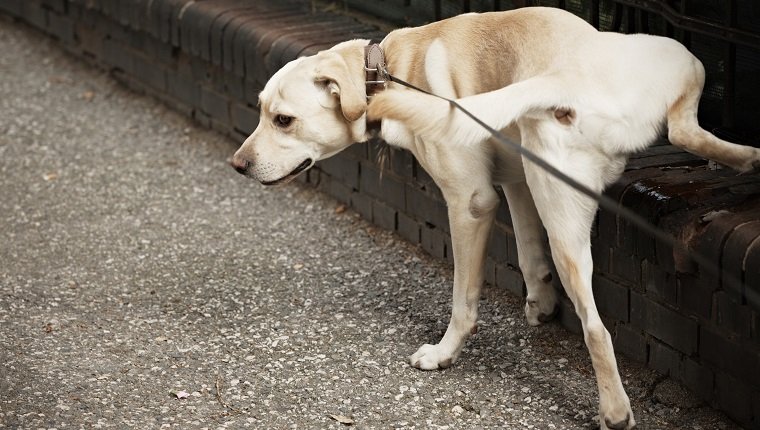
240, 164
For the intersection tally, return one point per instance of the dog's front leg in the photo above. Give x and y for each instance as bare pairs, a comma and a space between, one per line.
471, 213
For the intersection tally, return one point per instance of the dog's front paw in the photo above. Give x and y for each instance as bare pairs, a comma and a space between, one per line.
431, 357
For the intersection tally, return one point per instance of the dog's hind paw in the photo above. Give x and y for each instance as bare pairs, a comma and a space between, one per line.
431, 357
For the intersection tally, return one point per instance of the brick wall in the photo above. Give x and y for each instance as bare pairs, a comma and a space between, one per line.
209, 59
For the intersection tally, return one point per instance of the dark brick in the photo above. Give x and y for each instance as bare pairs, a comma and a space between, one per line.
184, 89
497, 245
752, 275
502, 213
357, 151
512, 254
383, 215
362, 204
237, 33
601, 254
611, 298
423, 207
663, 359
625, 266
660, 284
61, 27
697, 377
694, 297
281, 48
339, 190
13, 7
56, 5
342, 169
631, 343
489, 272
90, 41
244, 118
380, 185
401, 163
149, 73
432, 241
408, 228
568, 317
511, 279
664, 323
215, 105
734, 252
35, 14
732, 316
734, 396
740, 359
118, 56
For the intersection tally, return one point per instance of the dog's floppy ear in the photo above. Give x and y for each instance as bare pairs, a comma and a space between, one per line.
333, 69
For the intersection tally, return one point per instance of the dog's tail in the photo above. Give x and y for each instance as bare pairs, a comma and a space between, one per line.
432, 118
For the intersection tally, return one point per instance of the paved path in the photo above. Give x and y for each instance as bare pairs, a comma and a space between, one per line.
137, 268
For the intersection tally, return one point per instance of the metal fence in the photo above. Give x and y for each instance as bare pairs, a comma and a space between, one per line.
724, 34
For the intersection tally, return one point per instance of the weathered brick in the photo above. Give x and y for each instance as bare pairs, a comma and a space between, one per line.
244, 118
663, 359
13, 7
497, 245
149, 73
568, 317
611, 298
215, 104
734, 254
61, 27
380, 185
343, 169
383, 215
408, 228
732, 356
732, 316
694, 297
509, 278
734, 396
118, 56
35, 14
422, 206
184, 90
697, 377
432, 241
56, 5
664, 323
660, 284
489, 272
630, 342
362, 204
626, 267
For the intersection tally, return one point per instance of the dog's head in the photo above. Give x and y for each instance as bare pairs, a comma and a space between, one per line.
310, 109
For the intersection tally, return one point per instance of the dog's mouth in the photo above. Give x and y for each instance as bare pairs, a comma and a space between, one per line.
290, 176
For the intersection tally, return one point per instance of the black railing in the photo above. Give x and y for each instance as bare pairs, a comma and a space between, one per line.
724, 34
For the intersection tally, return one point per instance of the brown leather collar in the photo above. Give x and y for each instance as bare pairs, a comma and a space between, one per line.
374, 65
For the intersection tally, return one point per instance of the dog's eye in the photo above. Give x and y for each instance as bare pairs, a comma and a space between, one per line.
283, 121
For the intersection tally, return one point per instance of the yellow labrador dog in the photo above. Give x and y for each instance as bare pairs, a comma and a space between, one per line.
582, 99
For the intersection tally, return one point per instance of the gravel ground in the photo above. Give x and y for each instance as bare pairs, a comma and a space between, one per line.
145, 284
